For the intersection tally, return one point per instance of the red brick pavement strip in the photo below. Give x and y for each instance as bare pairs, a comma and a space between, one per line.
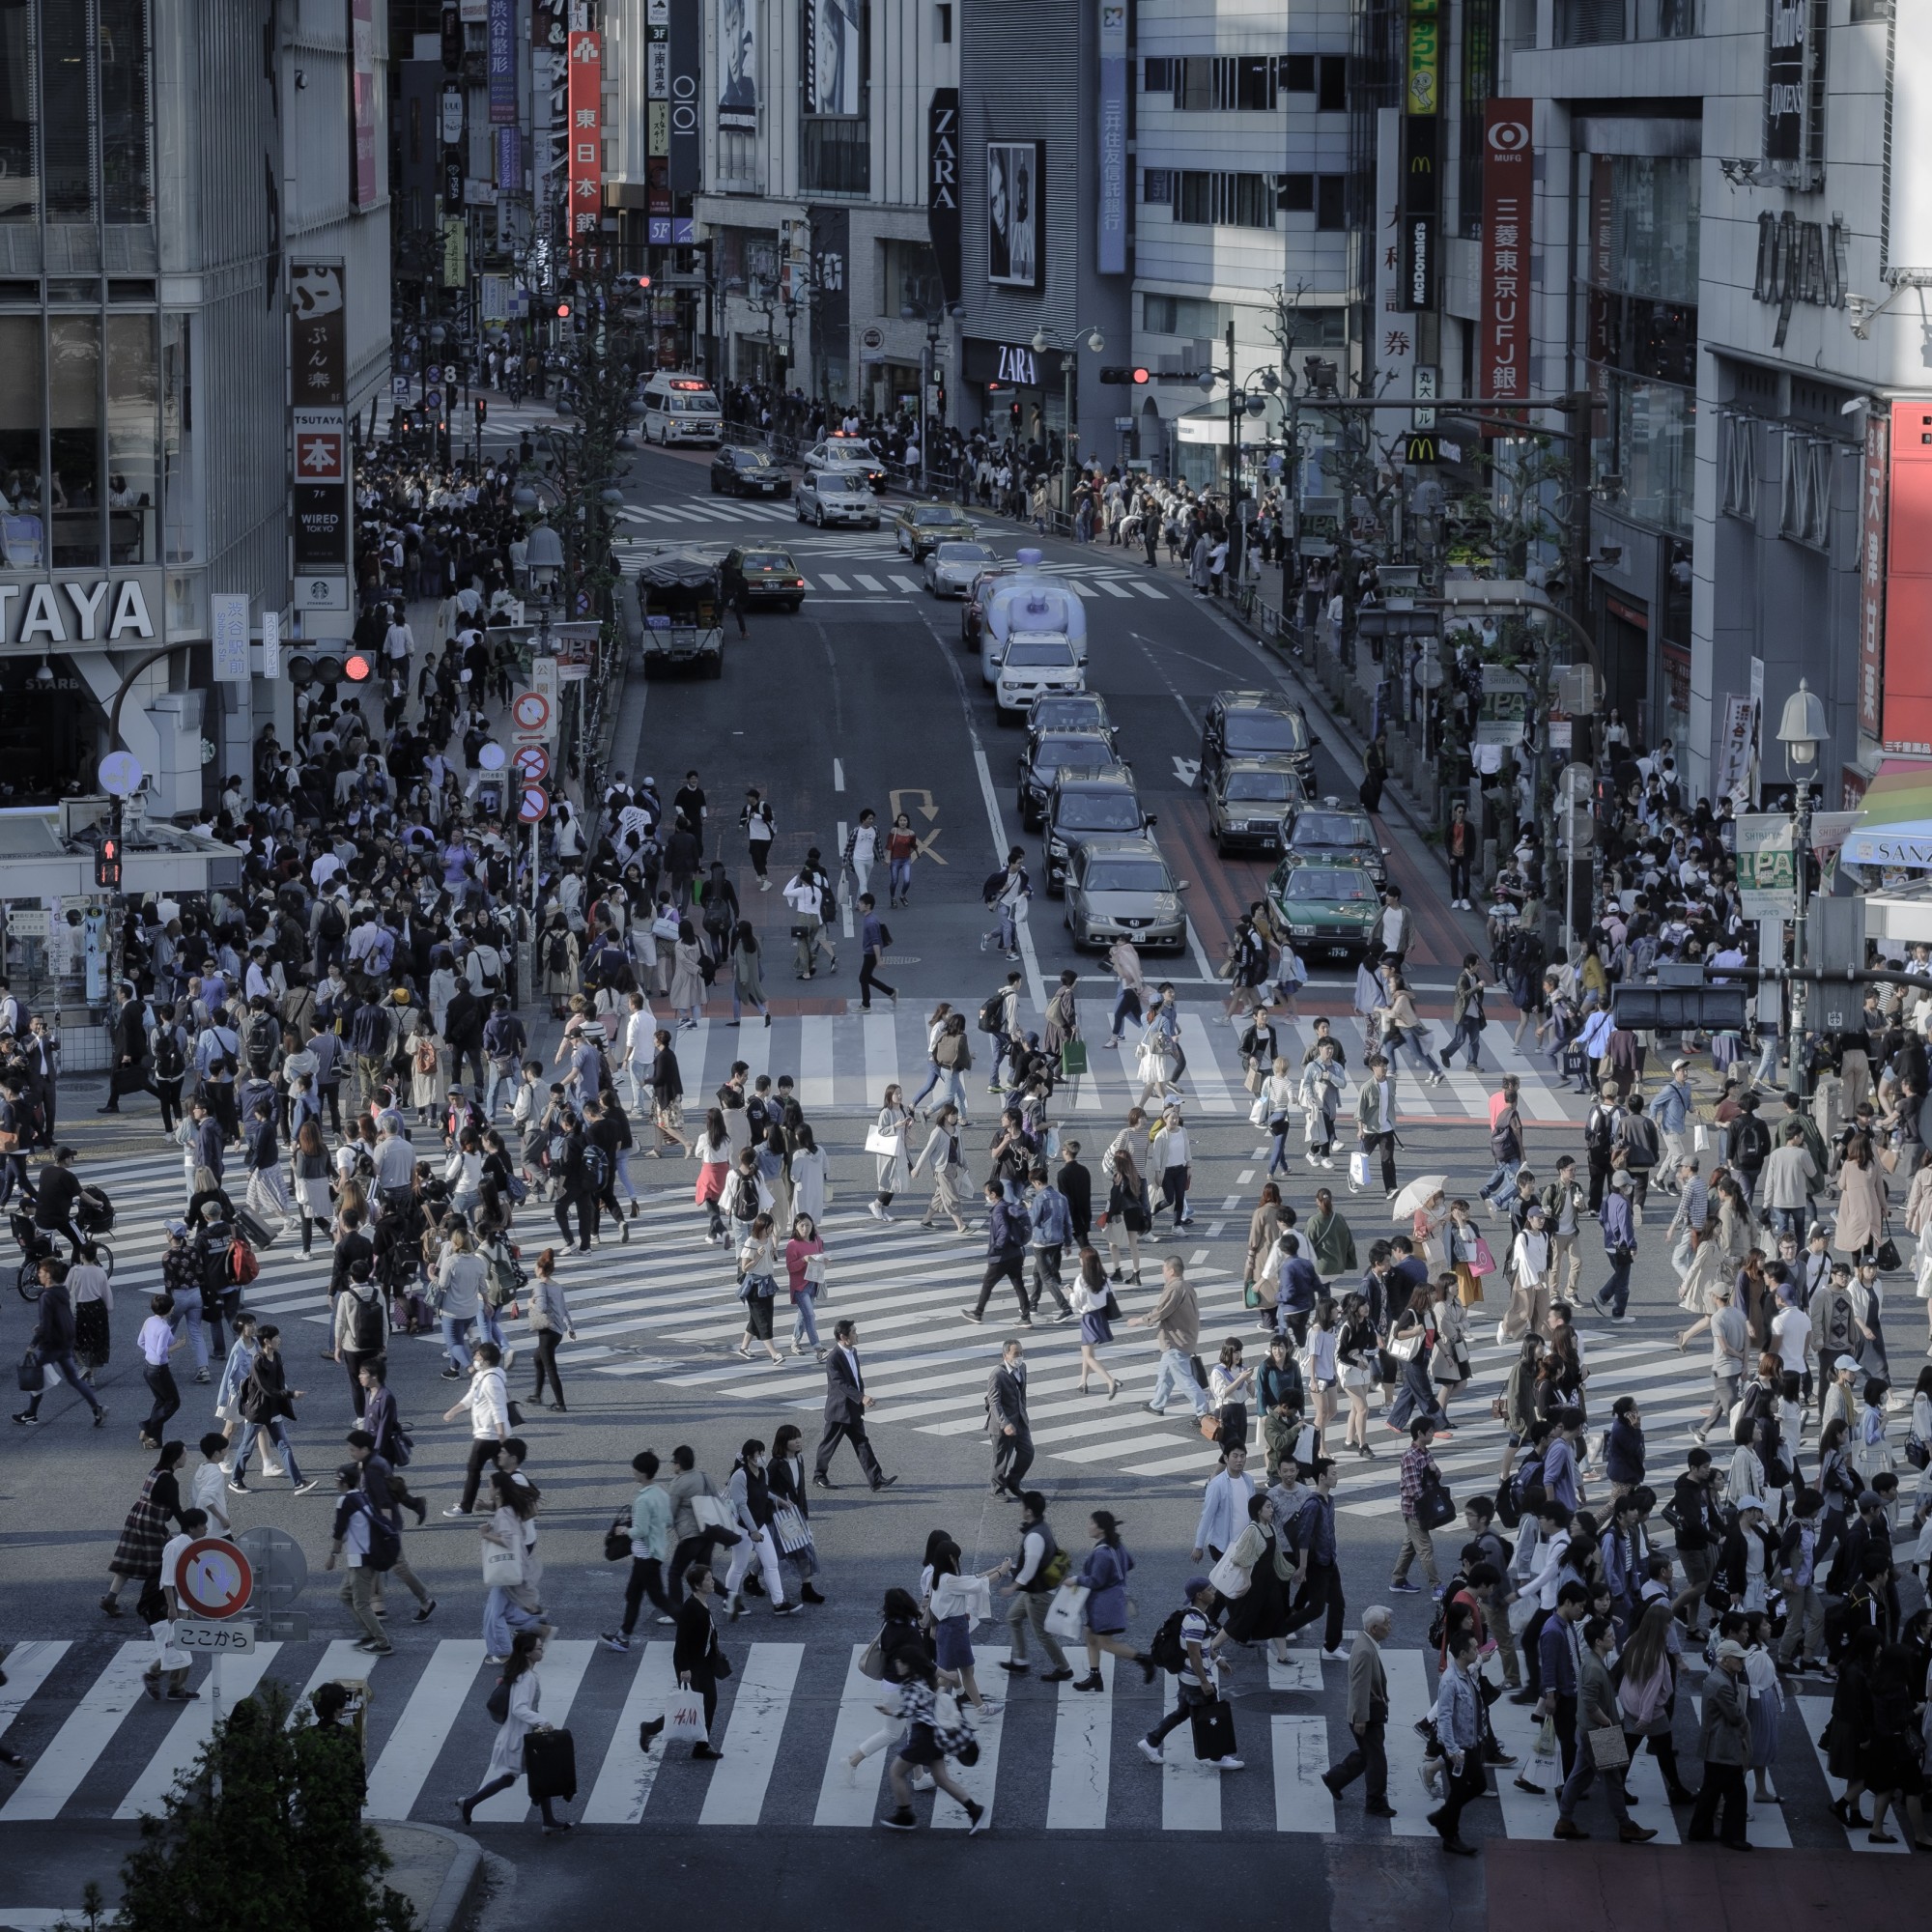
1610, 1887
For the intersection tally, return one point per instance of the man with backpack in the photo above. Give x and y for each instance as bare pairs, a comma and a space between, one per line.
1191, 1633
1749, 1145
1038, 1568
217, 1059
369, 1544
1000, 1020
1601, 1131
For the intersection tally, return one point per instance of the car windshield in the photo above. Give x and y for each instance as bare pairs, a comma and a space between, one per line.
963, 552
1328, 882
1083, 710
1098, 812
1267, 731
1071, 755
1127, 875
768, 559
751, 459
1332, 827
933, 513
1032, 654
1272, 786
847, 483
686, 403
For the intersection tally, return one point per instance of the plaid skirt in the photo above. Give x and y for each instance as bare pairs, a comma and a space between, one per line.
144, 1535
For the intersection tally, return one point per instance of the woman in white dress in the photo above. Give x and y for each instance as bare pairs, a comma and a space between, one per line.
520, 1720
808, 1175
893, 1171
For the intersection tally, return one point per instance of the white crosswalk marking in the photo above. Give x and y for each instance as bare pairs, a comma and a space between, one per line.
341, 1663
1411, 1682
867, 583
978, 1779
1190, 1790
1146, 588
849, 1794
830, 581
1082, 1751
193, 1728
1114, 589
628, 1774
1765, 1823
1301, 1801
563, 1669
29, 1666
901, 582
55, 1776
410, 1756
1815, 1713
750, 1746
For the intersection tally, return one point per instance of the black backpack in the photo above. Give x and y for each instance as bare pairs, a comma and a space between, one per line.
365, 1325
263, 1034
558, 958
170, 1063
1167, 1649
329, 923
993, 1014
1754, 1141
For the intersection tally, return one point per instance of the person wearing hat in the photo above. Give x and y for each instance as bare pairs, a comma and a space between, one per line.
1528, 1311
1748, 1560
1671, 1111
1725, 1744
1197, 1684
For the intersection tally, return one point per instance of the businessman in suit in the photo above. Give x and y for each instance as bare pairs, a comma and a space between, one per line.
1006, 1422
845, 1404
1368, 1715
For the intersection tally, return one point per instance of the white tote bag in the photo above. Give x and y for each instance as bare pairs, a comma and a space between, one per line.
1230, 1578
684, 1719
502, 1568
881, 1141
711, 1512
1067, 1615
1359, 1170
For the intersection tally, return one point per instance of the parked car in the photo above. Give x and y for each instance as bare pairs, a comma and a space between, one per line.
771, 578
919, 528
748, 473
826, 497
1255, 724
1121, 888
1329, 911
1046, 757
1089, 805
1250, 802
951, 569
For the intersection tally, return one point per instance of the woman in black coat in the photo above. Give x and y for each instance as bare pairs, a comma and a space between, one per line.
785, 1477
697, 1656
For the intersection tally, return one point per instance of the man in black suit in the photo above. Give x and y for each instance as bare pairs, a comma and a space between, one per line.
130, 1071
1006, 1422
845, 1404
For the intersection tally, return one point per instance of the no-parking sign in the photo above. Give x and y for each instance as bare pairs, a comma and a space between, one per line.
214, 1579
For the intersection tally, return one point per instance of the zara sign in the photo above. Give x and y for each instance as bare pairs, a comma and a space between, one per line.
71, 611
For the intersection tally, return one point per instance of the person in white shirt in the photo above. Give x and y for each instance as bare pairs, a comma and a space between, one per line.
1224, 1507
211, 1483
156, 1342
486, 1399
170, 1662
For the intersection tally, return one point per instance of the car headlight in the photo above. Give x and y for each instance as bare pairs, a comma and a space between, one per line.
1300, 931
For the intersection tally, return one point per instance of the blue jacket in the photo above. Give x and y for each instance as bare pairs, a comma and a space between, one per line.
1623, 1452
1671, 1108
1105, 1576
1619, 1230
1005, 1230
1300, 1285
1052, 1223
1558, 1660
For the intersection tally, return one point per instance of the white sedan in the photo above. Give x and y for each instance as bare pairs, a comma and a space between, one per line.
847, 452
951, 569
837, 496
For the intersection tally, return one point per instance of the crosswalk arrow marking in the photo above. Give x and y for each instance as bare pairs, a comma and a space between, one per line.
1187, 771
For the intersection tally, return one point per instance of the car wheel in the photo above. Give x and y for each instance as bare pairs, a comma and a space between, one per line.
818, 516
714, 486
796, 605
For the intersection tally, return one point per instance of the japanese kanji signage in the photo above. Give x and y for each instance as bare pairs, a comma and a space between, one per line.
502, 18
318, 335
1394, 346
1874, 502
1509, 162
585, 144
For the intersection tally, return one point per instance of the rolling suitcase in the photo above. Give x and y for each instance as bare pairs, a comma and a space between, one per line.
254, 1229
550, 1765
1213, 1726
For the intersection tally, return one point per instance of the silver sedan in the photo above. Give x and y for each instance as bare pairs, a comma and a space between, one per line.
952, 568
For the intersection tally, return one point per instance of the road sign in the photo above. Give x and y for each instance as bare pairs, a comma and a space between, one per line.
220, 1639
213, 1578
490, 755
533, 804
532, 763
1575, 784
120, 774
531, 713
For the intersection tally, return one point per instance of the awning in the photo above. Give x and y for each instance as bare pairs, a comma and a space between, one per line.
1895, 825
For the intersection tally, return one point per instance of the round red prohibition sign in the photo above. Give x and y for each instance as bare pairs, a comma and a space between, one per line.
214, 1579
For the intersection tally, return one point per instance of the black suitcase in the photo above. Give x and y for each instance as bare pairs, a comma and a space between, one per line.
1213, 1726
549, 1763
260, 1236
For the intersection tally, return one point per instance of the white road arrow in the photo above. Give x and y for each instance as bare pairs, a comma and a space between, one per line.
1187, 771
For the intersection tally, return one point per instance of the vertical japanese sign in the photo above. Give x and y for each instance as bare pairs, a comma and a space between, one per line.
1112, 255
1394, 346
228, 636
503, 63
585, 106
320, 459
363, 102
687, 79
1874, 502
942, 186
1425, 57
1509, 159
1421, 150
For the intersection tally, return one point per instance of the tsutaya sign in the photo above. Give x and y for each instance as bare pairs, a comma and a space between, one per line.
78, 610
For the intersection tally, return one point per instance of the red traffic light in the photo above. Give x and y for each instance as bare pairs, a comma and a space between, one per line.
1141, 376
563, 311
643, 281
356, 667
107, 864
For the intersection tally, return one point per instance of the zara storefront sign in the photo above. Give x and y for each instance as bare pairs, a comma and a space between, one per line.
63, 611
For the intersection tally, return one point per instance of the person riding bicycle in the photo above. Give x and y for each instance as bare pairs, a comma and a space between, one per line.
60, 1197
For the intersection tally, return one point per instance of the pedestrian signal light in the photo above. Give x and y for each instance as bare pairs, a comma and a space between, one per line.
107, 865
563, 311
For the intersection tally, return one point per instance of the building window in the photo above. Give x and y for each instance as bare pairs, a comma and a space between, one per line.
908, 277
1737, 464
20, 169
1331, 96
1158, 75
1479, 83
1332, 202
21, 403
180, 494
73, 444
1158, 187
1225, 200
134, 439
1296, 195
1589, 23
1183, 315
837, 157
943, 25
1805, 510
1237, 83
128, 187
1642, 467
67, 113
1298, 74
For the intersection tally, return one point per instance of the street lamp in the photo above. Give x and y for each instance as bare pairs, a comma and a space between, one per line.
1041, 343
1802, 731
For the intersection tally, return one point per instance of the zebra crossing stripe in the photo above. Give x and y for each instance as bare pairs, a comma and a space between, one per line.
563, 1669
628, 1775
977, 1780
29, 1666
1083, 1753
1190, 1789
1302, 1803
55, 1776
1815, 1714
1411, 1696
1147, 590
1112, 588
397, 1780
849, 1794
737, 1792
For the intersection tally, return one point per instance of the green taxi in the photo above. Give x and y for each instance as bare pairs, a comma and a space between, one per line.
1329, 911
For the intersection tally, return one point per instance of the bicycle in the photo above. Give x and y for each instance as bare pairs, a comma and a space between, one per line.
93, 1216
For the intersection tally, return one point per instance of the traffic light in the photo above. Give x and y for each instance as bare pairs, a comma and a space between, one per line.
107, 865
1135, 376
356, 667
563, 311
482, 412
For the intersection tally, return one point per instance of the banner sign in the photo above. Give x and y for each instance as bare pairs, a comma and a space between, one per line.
503, 63
1874, 502
1509, 160
1766, 874
942, 187
586, 138
1112, 255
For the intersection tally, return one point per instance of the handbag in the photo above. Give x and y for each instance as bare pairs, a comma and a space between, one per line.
873, 1660
1067, 1615
1111, 1311
1359, 1170
31, 1376
1210, 1426
1434, 1506
1405, 1347
1072, 1058
1258, 1114
1700, 1137
1887, 1257
503, 1567
1546, 1739
617, 1539
791, 1528
711, 1512
1230, 1578
1609, 1747
1213, 1726
683, 1717
1482, 1261
881, 1142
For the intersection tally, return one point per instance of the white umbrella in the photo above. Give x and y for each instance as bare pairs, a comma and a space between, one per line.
1416, 1194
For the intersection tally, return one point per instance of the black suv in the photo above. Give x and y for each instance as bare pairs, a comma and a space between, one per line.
1256, 724
748, 473
1087, 804
1050, 754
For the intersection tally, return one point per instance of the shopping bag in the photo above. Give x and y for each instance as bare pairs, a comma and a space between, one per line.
1258, 1114
550, 1765
1072, 1058
1434, 1506
1481, 1261
166, 1656
1546, 1739
881, 1142
1609, 1747
502, 1568
1700, 1137
711, 1512
1359, 1170
1230, 1578
684, 1719
1213, 1728
794, 1532
1067, 1615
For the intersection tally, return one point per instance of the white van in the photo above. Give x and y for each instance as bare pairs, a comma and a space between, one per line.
682, 409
